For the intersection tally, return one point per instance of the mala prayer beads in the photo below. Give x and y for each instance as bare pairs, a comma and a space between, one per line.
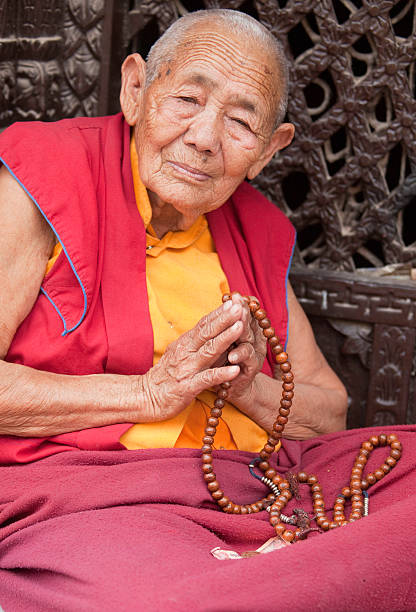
282, 489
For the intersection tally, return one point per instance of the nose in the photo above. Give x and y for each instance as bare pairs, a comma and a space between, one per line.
203, 132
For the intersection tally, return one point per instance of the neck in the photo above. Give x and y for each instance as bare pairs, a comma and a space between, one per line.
166, 218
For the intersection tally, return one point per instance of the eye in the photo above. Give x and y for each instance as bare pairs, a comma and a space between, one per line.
188, 99
242, 123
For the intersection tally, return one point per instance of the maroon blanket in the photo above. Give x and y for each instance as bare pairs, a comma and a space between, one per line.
133, 530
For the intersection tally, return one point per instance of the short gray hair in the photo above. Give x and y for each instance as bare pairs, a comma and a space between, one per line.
165, 48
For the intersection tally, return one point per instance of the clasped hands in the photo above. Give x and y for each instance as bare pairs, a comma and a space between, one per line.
197, 360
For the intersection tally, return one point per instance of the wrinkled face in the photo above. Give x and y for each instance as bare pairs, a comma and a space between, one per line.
206, 120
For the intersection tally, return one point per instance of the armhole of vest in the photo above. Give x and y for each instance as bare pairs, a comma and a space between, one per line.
286, 282
42, 290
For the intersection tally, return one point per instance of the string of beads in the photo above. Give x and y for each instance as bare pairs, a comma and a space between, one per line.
281, 493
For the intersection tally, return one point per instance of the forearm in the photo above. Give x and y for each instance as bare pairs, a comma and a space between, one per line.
36, 403
315, 410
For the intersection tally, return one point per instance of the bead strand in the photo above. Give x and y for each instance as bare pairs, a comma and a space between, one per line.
281, 494
281, 358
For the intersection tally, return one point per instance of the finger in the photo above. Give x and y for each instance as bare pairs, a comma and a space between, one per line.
247, 333
213, 377
215, 348
243, 353
213, 324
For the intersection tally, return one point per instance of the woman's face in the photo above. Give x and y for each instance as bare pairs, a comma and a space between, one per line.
206, 121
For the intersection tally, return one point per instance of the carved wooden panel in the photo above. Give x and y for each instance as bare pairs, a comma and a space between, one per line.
367, 330
393, 350
30, 48
82, 34
49, 58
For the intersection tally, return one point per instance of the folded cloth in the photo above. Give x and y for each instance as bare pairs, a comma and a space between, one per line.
133, 530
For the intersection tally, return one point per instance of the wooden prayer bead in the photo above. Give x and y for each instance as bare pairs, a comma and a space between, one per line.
367, 445
222, 393
288, 535
282, 357
272, 441
217, 494
210, 477
264, 323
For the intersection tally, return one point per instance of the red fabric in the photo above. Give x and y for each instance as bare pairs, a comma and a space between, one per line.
133, 530
78, 172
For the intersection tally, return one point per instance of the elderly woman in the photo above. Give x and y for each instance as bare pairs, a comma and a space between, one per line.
142, 222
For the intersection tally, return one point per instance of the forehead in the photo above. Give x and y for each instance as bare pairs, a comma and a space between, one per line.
213, 57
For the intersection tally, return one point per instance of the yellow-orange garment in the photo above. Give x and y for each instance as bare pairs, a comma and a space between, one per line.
184, 282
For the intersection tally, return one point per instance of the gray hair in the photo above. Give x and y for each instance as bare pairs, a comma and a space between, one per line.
165, 48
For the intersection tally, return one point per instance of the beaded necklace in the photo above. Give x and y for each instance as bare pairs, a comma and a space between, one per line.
284, 488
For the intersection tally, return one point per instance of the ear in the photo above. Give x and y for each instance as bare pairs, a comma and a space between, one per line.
281, 138
133, 77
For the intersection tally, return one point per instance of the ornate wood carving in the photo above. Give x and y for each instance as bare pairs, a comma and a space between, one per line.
367, 330
81, 58
391, 368
49, 58
30, 48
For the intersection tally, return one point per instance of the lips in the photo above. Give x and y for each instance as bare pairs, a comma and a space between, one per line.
189, 171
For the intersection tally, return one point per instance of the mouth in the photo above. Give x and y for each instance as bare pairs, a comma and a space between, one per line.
189, 171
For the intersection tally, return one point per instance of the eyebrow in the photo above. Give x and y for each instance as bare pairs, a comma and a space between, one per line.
236, 100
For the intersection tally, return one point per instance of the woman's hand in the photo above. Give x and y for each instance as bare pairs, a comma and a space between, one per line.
196, 361
249, 353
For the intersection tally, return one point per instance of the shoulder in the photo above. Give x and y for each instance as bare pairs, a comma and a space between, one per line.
252, 207
30, 137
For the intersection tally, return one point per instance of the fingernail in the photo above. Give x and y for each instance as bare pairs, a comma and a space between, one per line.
235, 325
232, 357
235, 309
234, 369
227, 305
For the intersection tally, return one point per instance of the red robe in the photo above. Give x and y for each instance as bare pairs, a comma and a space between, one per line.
92, 314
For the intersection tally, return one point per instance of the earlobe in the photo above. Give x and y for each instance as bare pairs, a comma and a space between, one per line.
133, 78
281, 138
